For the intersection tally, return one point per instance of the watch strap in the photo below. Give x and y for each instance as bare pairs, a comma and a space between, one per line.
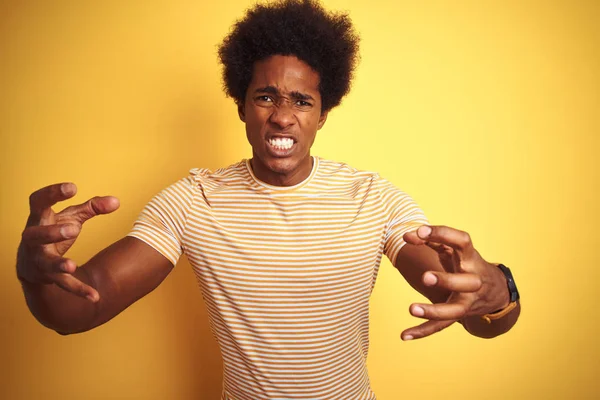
510, 281
514, 296
499, 314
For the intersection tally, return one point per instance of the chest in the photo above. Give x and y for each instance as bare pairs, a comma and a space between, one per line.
286, 239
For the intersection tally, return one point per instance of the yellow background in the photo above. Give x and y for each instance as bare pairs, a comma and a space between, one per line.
487, 112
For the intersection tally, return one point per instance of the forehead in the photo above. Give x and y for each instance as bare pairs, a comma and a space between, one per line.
286, 73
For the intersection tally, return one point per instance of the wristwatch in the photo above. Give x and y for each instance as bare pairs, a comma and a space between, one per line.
514, 296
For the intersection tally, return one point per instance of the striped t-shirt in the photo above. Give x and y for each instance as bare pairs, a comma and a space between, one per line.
286, 272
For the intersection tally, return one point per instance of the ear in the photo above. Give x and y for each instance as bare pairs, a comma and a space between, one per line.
241, 112
322, 119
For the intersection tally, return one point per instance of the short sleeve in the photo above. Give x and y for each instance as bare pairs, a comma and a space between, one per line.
161, 223
403, 215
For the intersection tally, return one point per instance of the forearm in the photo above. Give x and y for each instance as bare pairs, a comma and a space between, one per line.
476, 326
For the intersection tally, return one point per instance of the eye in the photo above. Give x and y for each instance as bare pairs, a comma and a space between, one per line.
303, 104
264, 100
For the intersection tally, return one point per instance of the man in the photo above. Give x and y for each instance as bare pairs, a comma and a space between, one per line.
285, 246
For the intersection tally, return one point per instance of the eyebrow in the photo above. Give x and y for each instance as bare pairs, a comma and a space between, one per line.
294, 94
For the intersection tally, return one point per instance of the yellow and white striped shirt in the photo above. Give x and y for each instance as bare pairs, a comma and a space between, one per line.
286, 272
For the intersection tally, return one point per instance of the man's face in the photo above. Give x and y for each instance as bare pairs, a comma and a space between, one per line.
282, 112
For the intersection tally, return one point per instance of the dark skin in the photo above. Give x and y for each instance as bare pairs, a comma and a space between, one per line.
68, 299
283, 102
442, 264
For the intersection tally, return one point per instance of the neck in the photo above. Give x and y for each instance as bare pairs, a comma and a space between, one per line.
276, 178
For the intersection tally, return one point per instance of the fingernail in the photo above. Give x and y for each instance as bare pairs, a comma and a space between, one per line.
430, 279
67, 189
407, 337
64, 267
68, 231
418, 311
91, 298
424, 231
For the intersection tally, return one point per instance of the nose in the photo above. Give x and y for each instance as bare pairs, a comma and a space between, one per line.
282, 115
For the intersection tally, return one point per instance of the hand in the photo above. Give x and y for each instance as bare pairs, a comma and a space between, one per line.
48, 235
477, 287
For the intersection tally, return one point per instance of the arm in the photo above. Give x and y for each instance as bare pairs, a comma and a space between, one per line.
121, 274
443, 266
70, 299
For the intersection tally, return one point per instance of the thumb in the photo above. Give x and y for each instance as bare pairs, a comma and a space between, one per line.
418, 236
94, 206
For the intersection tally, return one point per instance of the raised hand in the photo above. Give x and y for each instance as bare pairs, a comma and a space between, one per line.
48, 235
477, 287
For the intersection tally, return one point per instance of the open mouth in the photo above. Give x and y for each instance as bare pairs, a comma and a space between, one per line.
281, 146
281, 143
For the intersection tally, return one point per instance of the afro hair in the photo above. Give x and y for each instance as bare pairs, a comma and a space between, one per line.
326, 41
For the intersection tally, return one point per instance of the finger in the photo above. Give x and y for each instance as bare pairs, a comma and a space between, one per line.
439, 311
73, 285
49, 264
439, 248
47, 196
45, 234
38, 267
425, 329
94, 206
421, 235
455, 282
413, 238
457, 239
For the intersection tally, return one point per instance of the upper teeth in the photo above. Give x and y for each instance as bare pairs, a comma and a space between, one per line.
284, 143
